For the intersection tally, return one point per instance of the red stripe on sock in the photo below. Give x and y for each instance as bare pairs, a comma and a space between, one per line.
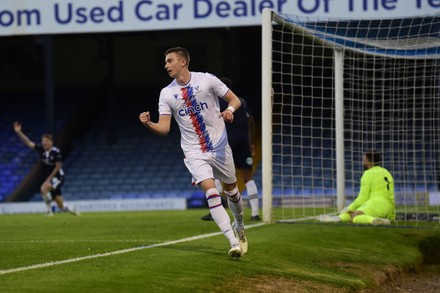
231, 196
215, 206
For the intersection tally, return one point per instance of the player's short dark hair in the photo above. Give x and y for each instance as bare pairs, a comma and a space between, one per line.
182, 52
48, 136
374, 157
227, 81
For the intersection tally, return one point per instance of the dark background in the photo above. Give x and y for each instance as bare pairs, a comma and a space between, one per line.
72, 84
130, 61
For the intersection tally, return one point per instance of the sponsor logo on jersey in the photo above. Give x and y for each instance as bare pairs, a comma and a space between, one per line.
193, 109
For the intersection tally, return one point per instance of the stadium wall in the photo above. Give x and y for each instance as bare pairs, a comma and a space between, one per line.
101, 205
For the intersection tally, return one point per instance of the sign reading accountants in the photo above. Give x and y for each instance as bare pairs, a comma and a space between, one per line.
70, 16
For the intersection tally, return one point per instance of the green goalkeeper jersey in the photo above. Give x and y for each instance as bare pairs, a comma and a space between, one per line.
377, 192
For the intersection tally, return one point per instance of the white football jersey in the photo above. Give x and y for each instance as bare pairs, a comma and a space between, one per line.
196, 109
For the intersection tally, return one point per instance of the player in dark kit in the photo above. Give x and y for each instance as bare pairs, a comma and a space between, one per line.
241, 133
51, 160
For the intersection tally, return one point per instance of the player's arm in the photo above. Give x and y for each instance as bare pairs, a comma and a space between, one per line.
233, 104
22, 136
162, 127
364, 193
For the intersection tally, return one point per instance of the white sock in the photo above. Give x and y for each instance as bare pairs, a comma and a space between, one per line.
47, 198
236, 206
252, 192
220, 216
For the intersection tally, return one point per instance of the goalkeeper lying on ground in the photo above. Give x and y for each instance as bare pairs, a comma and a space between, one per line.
375, 203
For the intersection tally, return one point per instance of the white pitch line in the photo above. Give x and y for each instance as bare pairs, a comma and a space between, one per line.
77, 241
304, 218
77, 259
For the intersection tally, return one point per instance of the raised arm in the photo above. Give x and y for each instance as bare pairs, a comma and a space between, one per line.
22, 136
162, 127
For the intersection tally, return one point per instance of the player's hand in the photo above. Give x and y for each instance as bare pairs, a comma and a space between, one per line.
17, 126
227, 115
145, 118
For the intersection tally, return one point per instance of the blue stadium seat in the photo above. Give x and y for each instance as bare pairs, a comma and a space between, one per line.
16, 160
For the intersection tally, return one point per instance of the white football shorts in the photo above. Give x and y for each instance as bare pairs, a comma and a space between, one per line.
218, 164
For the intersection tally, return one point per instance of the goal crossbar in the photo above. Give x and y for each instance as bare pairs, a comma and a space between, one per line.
385, 37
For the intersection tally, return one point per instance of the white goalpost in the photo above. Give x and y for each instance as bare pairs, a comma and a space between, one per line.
333, 89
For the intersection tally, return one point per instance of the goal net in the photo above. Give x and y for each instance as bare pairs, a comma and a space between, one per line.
334, 89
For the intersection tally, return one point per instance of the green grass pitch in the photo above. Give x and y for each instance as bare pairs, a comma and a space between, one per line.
174, 251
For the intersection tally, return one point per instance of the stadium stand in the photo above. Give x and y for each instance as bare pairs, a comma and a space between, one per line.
114, 158
128, 161
117, 158
28, 107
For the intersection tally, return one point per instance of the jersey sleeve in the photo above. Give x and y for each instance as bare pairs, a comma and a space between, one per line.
364, 192
218, 87
164, 107
58, 155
